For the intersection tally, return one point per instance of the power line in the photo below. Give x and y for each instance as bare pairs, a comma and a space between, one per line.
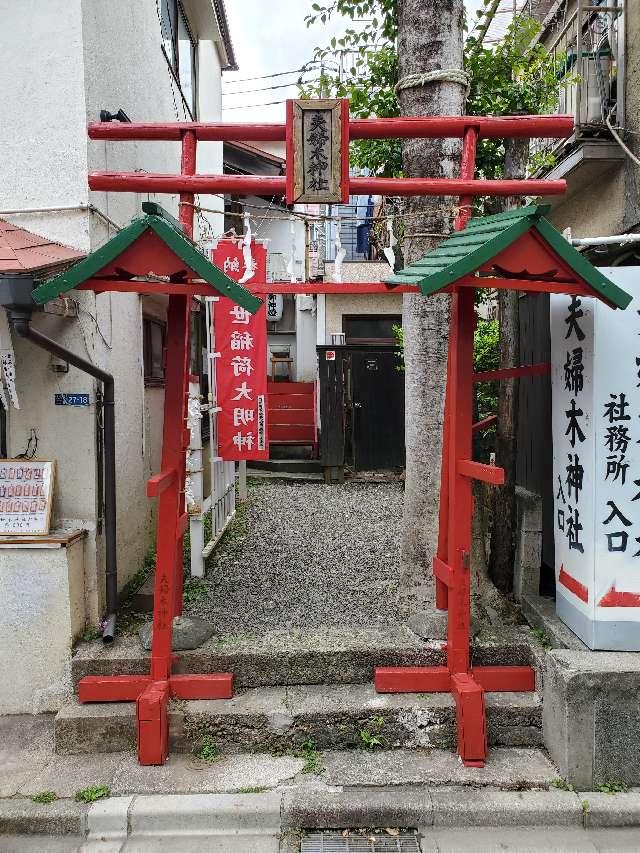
266, 76
249, 106
266, 88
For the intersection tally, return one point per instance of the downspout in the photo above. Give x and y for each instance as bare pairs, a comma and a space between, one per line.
20, 322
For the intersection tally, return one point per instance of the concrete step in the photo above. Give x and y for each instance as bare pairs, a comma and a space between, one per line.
289, 466
282, 719
286, 476
289, 657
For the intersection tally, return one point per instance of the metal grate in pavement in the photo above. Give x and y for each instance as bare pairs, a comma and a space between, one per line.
326, 842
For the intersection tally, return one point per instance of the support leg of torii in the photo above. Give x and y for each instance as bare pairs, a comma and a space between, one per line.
152, 692
452, 564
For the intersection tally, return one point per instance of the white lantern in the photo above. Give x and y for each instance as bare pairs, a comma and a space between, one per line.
274, 307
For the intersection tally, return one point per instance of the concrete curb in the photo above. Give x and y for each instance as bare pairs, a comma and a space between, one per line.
185, 814
23, 817
506, 808
610, 810
109, 818
357, 808
420, 806
278, 811
210, 814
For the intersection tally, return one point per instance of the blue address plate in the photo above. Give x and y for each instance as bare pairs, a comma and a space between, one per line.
71, 399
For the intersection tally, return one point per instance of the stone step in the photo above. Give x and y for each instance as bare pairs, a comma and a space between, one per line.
286, 466
289, 657
282, 719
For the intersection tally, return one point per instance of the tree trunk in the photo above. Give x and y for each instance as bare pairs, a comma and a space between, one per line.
430, 37
505, 510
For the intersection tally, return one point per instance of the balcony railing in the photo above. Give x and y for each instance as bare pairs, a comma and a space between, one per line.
587, 51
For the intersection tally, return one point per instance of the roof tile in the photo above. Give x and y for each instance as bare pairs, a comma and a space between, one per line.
484, 237
21, 251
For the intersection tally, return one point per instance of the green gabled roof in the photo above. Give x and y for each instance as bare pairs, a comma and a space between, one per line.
170, 232
484, 237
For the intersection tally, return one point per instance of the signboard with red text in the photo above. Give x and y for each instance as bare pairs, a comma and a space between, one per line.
241, 359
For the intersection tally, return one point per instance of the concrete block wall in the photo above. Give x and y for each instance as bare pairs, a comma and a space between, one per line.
43, 612
528, 556
591, 716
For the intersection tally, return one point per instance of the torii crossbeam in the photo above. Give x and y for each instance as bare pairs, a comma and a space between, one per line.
459, 268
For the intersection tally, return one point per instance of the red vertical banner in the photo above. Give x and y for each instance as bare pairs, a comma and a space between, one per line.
241, 364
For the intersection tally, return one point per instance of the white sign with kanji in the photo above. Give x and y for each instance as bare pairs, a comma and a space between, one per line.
595, 358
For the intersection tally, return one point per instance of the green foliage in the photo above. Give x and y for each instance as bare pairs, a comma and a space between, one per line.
206, 750
44, 797
258, 789
371, 735
543, 638
92, 793
369, 81
486, 356
193, 589
514, 76
91, 634
398, 334
612, 787
561, 785
309, 753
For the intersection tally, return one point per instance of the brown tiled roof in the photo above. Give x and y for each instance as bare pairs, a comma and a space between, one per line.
260, 152
23, 252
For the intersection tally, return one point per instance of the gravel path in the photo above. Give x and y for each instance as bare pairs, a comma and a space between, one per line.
306, 555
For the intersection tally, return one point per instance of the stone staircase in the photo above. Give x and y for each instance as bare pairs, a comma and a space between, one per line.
298, 687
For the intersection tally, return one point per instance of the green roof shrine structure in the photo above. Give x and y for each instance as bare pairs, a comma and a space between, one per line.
154, 255
516, 250
151, 255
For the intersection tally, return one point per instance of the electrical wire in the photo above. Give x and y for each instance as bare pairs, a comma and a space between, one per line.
82, 310
267, 76
250, 106
267, 88
619, 139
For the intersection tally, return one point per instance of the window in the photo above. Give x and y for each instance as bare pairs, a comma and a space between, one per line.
179, 46
371, 328
153, 333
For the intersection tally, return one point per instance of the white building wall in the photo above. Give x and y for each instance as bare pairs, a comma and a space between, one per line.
210, 153
337, 305
42, 133
64, 61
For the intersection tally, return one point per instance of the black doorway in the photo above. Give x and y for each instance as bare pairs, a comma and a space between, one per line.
377, 409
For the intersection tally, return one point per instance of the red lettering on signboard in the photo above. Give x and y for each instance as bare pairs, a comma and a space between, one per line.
241, 367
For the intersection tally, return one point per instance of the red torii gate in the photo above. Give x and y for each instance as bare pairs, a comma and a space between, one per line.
457, 469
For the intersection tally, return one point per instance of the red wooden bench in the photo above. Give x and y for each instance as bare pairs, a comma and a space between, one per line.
292, 413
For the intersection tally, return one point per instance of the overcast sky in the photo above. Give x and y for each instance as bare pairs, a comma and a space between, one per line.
270, 36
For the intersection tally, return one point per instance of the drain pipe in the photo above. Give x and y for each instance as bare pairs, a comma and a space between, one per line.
20, 322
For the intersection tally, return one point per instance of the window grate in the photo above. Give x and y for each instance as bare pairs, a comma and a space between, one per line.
335, 842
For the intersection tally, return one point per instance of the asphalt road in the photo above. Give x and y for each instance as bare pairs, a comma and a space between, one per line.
478, 840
